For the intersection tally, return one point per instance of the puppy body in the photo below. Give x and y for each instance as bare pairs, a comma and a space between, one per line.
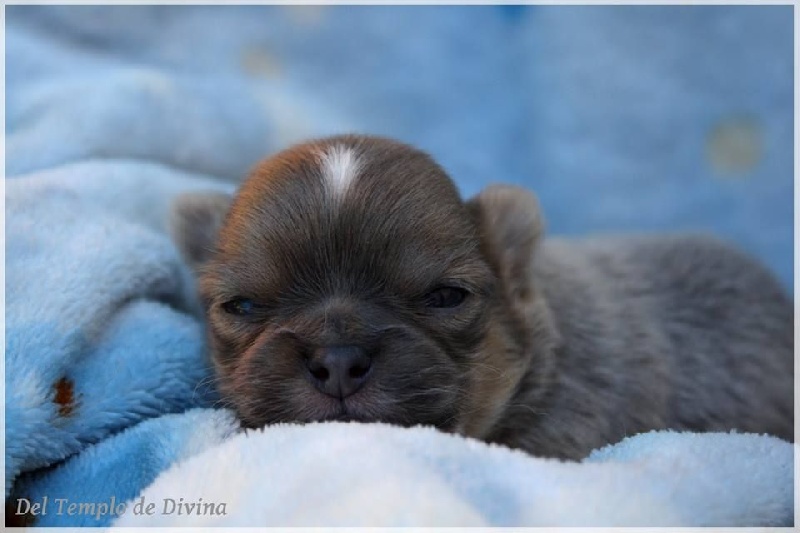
348, 280
671, 332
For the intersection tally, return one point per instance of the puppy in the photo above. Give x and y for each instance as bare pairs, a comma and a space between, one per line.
347, 280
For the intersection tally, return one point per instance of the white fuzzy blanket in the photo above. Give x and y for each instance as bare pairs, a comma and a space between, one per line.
337, 474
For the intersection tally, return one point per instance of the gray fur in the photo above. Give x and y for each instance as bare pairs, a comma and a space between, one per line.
679, 332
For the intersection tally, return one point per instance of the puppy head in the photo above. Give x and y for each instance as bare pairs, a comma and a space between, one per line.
348, 280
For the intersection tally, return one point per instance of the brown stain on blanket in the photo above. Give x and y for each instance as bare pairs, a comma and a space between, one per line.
65, 396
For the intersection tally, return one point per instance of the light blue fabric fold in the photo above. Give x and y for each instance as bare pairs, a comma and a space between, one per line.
102, 320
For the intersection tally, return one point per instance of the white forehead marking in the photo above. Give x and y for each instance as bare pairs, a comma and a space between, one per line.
340, 166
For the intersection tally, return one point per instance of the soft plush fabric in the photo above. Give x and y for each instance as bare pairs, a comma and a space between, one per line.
337, 474
115, 470
621, 119
102, 327
365, 475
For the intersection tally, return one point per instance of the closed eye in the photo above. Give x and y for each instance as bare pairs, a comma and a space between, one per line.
445, 297
240, 307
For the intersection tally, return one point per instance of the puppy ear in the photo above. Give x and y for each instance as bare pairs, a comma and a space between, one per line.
195, 220
511, 225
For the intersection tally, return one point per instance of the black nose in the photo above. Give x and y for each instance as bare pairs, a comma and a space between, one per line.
339, 371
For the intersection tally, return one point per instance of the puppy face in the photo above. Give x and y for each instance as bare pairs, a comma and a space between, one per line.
348, 281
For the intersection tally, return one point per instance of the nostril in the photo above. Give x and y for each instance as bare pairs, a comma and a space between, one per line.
358, 371
320, 373
318, 370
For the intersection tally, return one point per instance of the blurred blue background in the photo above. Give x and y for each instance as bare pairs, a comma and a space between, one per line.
623, 118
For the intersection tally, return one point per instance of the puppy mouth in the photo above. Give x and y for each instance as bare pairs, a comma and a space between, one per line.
343, 414
345, 417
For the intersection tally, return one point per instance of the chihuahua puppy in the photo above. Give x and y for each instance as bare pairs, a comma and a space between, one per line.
347, 280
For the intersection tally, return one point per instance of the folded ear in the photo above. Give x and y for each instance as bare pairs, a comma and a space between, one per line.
511, 225
195, 220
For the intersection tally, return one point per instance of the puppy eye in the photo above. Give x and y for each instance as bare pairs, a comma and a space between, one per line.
445, 297
239, 307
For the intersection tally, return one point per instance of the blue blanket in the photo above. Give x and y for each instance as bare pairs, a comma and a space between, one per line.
621, 119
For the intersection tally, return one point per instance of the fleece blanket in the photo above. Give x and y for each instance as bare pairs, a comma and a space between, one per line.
320, 475
113, 111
